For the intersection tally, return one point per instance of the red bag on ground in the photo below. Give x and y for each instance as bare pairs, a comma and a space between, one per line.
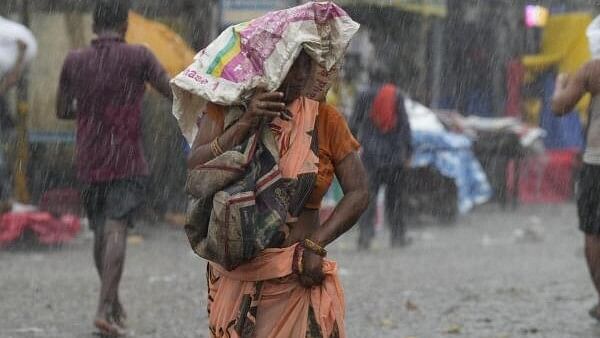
46, 228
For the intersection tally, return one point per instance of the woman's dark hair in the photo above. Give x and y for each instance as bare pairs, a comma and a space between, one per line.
110, 14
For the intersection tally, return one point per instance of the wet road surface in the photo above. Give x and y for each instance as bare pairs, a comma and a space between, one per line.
494, 274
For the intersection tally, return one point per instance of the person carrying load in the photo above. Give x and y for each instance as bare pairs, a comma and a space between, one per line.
263, 154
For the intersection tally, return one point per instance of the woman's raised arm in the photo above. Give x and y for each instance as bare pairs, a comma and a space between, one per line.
210, 129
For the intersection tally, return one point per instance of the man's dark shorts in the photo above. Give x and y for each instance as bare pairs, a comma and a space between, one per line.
588, 199
114, 200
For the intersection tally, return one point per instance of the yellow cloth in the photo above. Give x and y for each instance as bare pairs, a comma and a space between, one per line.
170, 49
564, 45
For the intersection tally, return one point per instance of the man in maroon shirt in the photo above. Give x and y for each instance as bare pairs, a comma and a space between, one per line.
102, 86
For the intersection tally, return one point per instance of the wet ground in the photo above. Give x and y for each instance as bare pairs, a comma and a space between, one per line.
493, 274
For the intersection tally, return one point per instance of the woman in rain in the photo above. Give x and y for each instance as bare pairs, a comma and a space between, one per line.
289, 289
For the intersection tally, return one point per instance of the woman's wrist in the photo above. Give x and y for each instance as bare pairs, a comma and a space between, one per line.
319, 237
314, 247
215, 148
246, 122
247, 119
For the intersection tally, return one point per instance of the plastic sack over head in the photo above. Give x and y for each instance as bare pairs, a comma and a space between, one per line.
593, 35
259, 53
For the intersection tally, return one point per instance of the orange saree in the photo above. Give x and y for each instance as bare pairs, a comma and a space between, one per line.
264, 299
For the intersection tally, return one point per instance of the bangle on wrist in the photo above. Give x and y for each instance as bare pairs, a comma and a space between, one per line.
314, 247
216, 148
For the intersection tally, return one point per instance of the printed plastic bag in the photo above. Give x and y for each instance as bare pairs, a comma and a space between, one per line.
260, 53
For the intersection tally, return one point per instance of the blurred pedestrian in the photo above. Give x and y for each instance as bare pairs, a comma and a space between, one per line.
10, 78
102, 86
569, 90
381, 124
7, 125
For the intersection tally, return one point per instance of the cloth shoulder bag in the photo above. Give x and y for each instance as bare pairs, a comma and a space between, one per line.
240, 202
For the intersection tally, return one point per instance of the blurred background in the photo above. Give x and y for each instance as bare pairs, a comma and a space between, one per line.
476, 58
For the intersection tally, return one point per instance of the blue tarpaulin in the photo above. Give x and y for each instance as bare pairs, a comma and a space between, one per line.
451, 154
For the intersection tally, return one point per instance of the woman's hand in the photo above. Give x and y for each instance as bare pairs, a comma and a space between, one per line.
312, 269
268, 105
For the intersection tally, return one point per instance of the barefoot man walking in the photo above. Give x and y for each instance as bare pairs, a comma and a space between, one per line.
102, 86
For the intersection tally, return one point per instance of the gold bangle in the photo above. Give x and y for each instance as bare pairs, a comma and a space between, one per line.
218, 146
215, 148
314, 247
